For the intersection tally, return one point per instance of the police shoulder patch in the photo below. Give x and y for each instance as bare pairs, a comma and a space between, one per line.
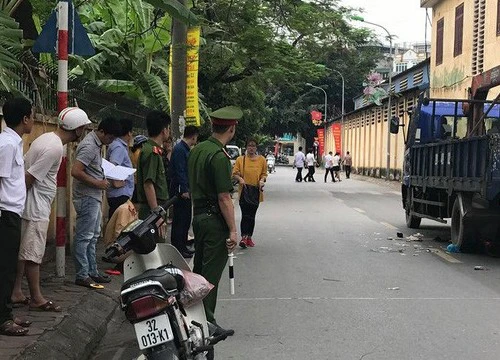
157, 150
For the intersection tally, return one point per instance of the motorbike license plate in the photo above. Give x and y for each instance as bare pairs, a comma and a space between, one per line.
154, 331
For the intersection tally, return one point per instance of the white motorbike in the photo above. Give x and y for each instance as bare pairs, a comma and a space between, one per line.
164, 328
271, 164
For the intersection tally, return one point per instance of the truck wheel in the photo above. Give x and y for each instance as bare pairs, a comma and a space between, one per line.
460, 236
412, 221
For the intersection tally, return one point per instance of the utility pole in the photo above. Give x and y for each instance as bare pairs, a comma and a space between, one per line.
62, 103
389, 94
179, 71
325, 119
343, 113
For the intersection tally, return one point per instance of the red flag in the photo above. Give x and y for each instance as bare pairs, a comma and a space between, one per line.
316, 115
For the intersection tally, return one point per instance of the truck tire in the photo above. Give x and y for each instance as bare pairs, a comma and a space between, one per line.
412, 221
461, 237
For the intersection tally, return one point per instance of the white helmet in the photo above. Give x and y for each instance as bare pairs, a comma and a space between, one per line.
72, 118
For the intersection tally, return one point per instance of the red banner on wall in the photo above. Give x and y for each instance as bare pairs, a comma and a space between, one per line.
337, 137
321, 141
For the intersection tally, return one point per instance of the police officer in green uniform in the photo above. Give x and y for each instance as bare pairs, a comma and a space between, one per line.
214, 226
152, 187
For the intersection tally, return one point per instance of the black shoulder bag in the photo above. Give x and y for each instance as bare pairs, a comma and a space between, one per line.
250, 194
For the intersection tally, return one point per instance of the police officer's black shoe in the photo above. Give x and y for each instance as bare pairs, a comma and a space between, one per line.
187, 254
216, 330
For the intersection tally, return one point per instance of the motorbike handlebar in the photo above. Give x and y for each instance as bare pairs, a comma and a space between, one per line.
169, 202
125, 243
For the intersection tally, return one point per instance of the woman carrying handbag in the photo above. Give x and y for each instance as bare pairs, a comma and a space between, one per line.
251, 172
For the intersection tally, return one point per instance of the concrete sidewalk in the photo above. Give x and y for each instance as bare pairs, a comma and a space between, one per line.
72, 333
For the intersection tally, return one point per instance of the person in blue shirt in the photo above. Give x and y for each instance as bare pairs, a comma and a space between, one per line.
179, 186
120, 191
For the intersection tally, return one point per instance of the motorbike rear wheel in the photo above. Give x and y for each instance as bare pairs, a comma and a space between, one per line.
166, 352
210, 354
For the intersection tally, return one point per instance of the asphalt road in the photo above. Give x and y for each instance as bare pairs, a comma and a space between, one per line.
325, 282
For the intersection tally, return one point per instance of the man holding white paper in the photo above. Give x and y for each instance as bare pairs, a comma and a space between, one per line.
120, 191
88, 185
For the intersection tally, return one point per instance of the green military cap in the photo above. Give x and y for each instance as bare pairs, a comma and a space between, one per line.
228, 115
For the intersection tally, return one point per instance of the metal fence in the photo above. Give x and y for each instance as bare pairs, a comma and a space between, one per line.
39, 84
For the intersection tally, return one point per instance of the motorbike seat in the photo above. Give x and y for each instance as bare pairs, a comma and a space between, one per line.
168, 281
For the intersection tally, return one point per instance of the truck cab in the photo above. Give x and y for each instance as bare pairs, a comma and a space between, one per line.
440, 120
452, 168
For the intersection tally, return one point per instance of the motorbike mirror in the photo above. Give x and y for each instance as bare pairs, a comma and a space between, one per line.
394, 125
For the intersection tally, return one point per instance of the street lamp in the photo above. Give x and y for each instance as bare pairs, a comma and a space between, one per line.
389, 110
343, 112
326, 104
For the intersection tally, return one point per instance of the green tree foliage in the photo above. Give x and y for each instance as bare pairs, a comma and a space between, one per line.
256, 54
260, 54
10, 46
130, 38
43, 8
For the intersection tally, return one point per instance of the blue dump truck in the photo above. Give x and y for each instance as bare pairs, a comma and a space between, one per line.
452, 168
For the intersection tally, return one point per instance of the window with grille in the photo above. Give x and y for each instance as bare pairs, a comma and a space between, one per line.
478, 36
400, 67
403, 85
459, 29
401, 108
439, 41
418, 78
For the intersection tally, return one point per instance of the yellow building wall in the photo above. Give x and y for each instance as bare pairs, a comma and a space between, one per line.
492, 41
365, 137
453, 77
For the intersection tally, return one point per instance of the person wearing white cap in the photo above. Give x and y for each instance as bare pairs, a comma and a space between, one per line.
42, 163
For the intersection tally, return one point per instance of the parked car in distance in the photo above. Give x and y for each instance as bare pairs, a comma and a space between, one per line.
233, 151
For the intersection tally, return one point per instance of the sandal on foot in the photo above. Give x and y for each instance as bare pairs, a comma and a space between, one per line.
10, 328
23, 323
48, 306
24, 302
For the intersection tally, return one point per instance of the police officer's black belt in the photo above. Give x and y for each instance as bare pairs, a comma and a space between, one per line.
209, 210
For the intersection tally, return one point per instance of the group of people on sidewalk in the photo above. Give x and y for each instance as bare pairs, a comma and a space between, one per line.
201, 176
331, 162
27, 188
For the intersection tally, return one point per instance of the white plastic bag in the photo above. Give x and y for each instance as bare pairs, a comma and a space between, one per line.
196, 287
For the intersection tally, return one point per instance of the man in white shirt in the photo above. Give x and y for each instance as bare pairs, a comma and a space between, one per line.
336, 166
42, 162
19, 117
329, 166
311, 161
298, 162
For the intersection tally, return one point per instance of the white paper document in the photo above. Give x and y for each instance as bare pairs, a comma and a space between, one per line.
116, 172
